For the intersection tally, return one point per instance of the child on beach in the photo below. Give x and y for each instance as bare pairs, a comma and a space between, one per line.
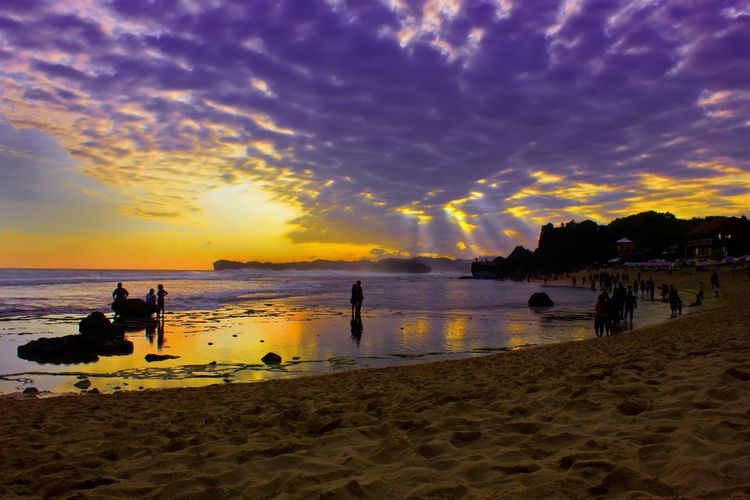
160, 300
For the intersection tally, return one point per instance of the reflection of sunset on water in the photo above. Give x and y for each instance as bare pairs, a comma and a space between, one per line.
413, 321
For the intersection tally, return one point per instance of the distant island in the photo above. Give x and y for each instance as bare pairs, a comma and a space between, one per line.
413, 265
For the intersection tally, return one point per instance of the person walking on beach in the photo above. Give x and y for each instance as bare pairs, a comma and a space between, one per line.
160, 294
600, 315
631, 303
675, 304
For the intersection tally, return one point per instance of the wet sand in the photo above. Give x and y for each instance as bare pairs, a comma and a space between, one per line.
660, 411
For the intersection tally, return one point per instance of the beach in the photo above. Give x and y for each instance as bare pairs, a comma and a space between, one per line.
661, 411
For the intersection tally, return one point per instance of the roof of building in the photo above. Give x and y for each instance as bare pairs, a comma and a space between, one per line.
708, 227
623, 241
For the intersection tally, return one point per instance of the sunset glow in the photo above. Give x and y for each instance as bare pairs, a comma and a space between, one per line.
172, 133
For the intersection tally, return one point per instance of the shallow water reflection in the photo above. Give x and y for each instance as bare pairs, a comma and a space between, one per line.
226, 345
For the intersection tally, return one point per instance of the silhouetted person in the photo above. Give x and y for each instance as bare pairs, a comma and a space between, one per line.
600, 317
119, 295
357, 297
675, 304
160, 294
151, 301
630, 305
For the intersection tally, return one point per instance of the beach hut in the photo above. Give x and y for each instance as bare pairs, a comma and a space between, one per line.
625, 247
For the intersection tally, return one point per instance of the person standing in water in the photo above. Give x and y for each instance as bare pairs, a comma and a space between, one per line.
160, 300
357, 298
151, 301
119, 295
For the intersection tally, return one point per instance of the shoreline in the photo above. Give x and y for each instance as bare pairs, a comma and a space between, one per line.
393, 337
660, 411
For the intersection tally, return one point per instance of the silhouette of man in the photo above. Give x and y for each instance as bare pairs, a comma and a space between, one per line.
119, 295
357, 297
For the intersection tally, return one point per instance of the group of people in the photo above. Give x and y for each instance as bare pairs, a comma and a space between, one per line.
610, 310
154, 300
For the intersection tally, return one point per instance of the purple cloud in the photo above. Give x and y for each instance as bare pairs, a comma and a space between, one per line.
409, 104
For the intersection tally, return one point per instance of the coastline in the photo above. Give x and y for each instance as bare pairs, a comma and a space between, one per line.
660, 410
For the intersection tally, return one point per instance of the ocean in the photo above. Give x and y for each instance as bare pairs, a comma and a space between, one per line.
220, 324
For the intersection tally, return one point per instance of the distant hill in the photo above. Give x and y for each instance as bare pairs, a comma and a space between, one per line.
414, 265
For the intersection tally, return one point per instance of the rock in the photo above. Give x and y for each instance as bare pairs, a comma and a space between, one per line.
271, 359
159, 357
74, 349
31, 390
93, 391
295, 358
540, 299
97, 324
132, 308
83, 384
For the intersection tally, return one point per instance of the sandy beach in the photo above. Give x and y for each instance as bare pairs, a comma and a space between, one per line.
662, 411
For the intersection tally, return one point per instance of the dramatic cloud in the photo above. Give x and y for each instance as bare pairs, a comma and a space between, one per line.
439, 126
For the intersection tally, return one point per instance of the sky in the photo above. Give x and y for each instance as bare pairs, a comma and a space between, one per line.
167, 134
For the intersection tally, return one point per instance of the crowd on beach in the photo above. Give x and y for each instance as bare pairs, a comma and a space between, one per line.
619, 297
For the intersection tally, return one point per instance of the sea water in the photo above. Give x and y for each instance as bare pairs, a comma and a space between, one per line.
220, 324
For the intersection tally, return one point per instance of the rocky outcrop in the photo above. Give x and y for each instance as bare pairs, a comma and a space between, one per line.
540, 299
97, 324
99, 337
74, 349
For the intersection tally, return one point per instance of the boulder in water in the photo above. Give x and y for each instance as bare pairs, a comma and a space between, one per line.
97, 324
271, 359
540, 299
132, 308
74, 349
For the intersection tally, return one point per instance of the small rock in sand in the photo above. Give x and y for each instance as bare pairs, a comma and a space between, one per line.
31, 390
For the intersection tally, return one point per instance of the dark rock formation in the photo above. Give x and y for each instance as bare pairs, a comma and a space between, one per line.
540, 299
518, 263
98, 337
159, 357
97, 324
132, 308
31, 390
271, 359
